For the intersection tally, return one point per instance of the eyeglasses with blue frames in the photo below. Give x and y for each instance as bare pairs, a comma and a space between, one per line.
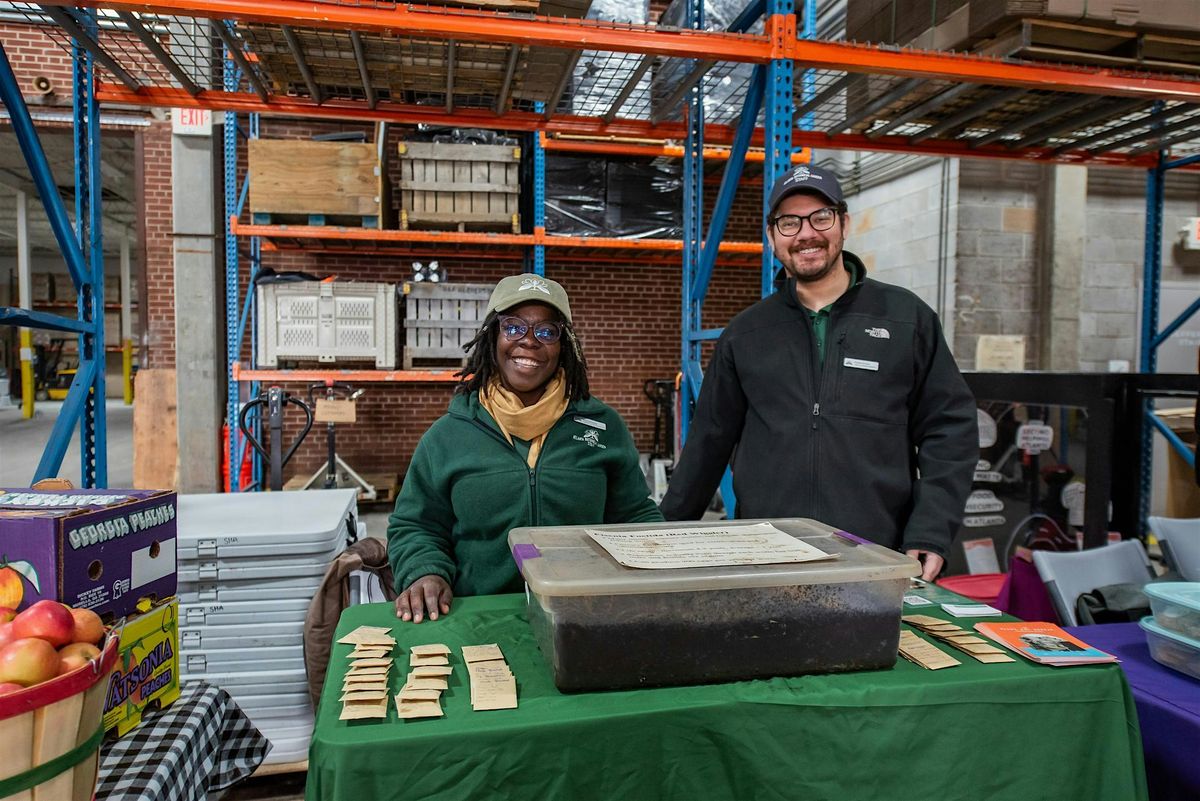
820, 220
514, 328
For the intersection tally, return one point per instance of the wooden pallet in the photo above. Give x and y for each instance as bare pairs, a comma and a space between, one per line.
987, 18
419, 362
344, 181
386, 486
338, 220
451, 221
459, 187
1050, 40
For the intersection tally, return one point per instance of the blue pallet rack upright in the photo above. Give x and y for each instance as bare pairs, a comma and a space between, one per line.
769, 91
82, 251
1151, 337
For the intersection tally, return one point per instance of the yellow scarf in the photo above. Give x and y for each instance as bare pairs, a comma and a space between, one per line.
530, 423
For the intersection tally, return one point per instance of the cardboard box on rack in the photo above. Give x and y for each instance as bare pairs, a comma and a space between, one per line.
98, 549
147, 671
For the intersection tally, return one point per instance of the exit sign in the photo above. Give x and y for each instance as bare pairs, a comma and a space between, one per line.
191, 121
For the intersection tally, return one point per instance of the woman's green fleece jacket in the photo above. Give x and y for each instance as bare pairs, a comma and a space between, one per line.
466, 487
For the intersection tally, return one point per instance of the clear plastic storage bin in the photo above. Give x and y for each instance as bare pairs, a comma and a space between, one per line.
1172, 649
604, 626
1176, 606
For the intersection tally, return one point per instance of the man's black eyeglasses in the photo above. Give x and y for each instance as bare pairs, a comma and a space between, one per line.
820, 220
514, 328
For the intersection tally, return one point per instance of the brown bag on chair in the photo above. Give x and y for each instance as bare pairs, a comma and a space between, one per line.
332, 597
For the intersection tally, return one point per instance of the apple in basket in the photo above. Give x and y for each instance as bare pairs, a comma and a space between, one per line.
6, 635
76, 655
10, 687
28, 661
46, 620
89, 627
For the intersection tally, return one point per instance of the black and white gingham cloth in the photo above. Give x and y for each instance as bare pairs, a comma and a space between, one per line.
203, 742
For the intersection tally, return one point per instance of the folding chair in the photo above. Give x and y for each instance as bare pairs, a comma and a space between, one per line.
1180, 541
1069, 574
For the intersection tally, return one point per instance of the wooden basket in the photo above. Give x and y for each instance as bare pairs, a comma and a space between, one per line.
50, 734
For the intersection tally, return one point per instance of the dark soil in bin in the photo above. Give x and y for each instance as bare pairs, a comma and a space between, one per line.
621, 642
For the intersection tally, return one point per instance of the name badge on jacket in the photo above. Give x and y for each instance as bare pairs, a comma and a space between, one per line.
860, 364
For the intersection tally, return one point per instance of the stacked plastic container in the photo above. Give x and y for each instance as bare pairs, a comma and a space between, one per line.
249, 565
1173, 632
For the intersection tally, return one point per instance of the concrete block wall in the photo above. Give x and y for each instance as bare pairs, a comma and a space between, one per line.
896, 229
996, 270
1110, 300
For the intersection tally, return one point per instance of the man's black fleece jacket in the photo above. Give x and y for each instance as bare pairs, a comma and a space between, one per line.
880, 441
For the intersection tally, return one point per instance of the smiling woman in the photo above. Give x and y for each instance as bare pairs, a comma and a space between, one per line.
522, 444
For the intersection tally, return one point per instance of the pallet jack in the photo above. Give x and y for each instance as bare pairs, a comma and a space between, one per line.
275, 400
337, 406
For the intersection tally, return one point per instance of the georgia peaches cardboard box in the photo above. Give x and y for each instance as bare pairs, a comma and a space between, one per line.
98, 549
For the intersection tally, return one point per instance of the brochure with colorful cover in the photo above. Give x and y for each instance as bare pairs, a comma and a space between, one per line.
1044, 643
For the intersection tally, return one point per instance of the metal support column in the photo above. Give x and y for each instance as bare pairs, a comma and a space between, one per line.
693, 233
1151, 336
25, 301
93, 434
232, 77
535, 258
126, 320
777, 133
808, 79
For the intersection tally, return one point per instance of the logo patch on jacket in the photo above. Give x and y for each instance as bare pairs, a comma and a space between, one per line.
591, 437
879, 333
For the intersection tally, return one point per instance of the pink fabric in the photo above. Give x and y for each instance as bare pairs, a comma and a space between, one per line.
981, 587
1024, 595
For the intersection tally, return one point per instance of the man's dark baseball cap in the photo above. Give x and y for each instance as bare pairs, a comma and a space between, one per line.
803, 178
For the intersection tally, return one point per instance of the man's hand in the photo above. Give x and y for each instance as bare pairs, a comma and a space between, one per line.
428, 594
931, 563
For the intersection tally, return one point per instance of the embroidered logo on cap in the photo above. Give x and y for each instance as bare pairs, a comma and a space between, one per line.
879, 333
802, 173
536, 284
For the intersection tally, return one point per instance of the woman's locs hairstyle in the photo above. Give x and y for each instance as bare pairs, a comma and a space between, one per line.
481, 360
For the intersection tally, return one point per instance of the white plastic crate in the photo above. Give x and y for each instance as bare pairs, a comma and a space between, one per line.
327, 321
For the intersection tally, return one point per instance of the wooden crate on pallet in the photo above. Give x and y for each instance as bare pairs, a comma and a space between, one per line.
459, 187
318, 183
439, 320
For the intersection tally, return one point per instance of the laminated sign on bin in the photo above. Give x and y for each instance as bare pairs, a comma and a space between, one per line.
98, 549
603, 625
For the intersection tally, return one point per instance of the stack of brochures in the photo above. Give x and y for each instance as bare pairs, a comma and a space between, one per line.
1044, 643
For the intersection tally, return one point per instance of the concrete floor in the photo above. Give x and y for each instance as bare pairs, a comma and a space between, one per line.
22, 442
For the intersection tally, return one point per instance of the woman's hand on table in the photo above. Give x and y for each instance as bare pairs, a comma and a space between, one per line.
428, 595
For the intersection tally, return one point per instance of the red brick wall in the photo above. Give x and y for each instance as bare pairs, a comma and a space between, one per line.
627, 316
32, 52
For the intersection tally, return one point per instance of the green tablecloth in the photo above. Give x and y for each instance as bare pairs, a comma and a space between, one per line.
1010, 731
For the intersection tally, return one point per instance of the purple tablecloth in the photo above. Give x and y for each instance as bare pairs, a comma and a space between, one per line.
1168, 705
